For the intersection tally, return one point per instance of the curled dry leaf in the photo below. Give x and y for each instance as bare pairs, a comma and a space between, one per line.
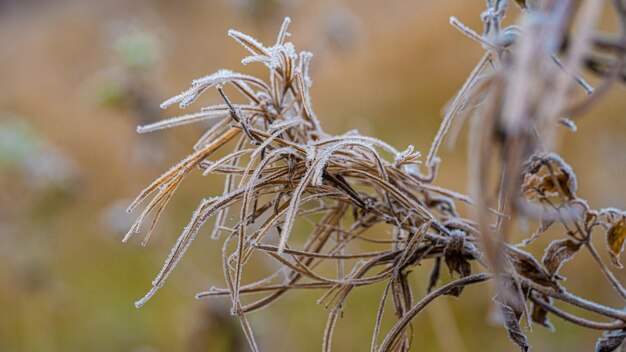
529, 186
611, 341
539, 315
434, 274
547, 175
456, 260
615, 240
558, 252
511, 322
560, 181
527, 266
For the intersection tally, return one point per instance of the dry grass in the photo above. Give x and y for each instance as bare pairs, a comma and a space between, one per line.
282, 169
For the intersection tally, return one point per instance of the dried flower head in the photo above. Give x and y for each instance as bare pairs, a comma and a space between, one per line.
283, 168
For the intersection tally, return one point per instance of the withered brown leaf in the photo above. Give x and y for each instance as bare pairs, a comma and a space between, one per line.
558, 252
610, 341
455, 259
563, 182
529, 186
434, 274
511, 323
527, 266
549, 175
615, 237
539, 315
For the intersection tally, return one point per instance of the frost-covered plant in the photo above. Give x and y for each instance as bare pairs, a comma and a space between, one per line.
283, 169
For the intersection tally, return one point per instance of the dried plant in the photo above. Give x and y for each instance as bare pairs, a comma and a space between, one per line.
282, 169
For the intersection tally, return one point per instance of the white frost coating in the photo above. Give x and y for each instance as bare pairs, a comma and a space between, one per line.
253, 182
357, 138
178, 249
214, 165
322, 160
411, 169
313, 174
255, 58
183, 242
200, 85
268, 159
282, 33
206, 208
164, 180
248, 42
277, 125
317, 177
311, 153
611, 213
292, 210
210, 134
305, 58
305, 61
268, 141
274, 56
181, 120
259, 150
407, 157
214, 77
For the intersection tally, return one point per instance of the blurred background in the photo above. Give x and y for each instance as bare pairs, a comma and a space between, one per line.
78, 76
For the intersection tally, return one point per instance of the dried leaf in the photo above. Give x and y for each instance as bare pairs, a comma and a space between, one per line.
615, 240
455, 259
548, 175
558, 252
513, 295
540, 316
610, 341
529, 186
563, 182
434, 274
511, 323
527, 266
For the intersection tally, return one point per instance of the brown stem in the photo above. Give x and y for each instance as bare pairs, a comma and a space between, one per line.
402, 324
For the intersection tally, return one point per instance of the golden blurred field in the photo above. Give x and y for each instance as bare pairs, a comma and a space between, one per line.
78, 76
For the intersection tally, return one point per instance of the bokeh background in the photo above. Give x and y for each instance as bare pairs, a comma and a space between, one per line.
77, 76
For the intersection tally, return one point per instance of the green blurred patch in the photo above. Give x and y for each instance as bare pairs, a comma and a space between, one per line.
17, 141
138, 51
